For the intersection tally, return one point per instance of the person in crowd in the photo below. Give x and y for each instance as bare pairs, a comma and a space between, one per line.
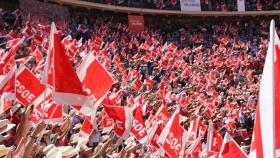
211, 71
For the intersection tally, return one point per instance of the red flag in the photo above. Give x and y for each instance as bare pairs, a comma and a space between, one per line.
95, 79
155, 41
7, 61
12, 43
186, 51
86, 128
41, 98
5, 104
193, 130
66, 41
266, 134
171, 47
214, 139
149, 84
12, 35
162, 114
122, 117
202, 129
38, 39
150, 122
116, 59
138, 128
7, 85
136, 84
114, 46
27, 32
37, 55
194, 150
107, 122
53, 113
230, 149
277, 95
28, 87
154, 134
171, 137
59, 73
22, 61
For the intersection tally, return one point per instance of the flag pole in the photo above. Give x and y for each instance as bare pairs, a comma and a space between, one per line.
272, 40
47, 66
45, 77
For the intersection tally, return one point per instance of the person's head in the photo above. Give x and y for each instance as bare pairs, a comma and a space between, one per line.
56, 128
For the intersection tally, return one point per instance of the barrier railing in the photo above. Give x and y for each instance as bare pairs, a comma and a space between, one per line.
92, 5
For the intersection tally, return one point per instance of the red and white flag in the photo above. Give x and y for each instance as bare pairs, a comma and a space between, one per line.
136, 84
192, 131
7, 61
95, 79
53, 113
230, 149
122, 117
194, 150
149, 84
214, 139
59, 74
7, 84
12, 43
86, 128
155, 41
5, 104
154, 133
114, 46
107, 122
24, 60
46, 95
172, 136
37, 55
27, 32
161, 117
266, 134
12, 35
38, 39
162, 114
28, 86
138, 128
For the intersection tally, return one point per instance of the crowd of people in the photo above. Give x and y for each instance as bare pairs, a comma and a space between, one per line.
210, 70
206, 5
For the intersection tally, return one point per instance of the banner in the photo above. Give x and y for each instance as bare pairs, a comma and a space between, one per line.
190, 5
135, 23
241, 5
28, 87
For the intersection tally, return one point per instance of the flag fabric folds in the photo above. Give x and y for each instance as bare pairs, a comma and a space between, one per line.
171, 137
122, 117
230, 149
96, 81
28, 86
266, 133
60, 75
